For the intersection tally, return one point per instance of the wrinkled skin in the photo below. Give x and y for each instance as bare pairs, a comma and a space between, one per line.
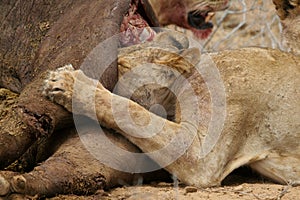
37, 36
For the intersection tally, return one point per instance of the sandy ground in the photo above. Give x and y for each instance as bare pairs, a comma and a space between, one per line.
242, 184
240, 188
243, 191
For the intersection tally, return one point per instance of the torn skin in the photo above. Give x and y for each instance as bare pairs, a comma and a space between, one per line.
137, 23
134, 28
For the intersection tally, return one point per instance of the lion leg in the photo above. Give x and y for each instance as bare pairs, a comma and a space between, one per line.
60, 88
80, 95
283, 169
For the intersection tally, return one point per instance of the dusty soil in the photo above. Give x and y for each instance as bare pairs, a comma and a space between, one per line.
245, 188
244, 191
241, 184
167, 191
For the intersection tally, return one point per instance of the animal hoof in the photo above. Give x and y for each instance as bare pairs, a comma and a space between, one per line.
19, 184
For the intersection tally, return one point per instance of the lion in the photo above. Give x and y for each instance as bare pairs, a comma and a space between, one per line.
192, 15
261, 108
288, 11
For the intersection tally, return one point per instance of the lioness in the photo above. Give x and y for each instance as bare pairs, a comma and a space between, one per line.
189, 14
288, 11
261, 101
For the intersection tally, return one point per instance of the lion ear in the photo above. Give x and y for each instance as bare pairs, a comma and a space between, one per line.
192, 55
172, 39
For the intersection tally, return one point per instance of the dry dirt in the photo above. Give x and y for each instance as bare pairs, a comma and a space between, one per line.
243, 191
236, 188
167, 191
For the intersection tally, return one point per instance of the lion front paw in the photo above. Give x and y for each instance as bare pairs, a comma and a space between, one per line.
58, 86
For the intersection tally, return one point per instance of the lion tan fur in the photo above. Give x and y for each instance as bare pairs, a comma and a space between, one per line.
289, 13
261, 86
261, 127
